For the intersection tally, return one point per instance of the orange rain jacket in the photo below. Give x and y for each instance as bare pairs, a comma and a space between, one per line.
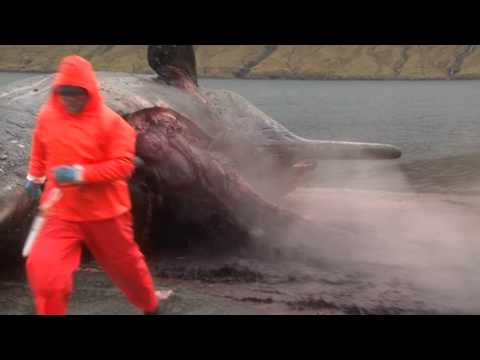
97, 139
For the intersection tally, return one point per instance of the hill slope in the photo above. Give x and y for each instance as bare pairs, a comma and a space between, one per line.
270, 61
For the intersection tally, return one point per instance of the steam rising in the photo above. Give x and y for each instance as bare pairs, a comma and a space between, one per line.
432, 238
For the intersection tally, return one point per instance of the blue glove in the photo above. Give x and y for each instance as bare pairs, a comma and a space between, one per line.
67, 174
33, 190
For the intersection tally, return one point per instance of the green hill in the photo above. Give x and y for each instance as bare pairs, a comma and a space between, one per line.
270, 61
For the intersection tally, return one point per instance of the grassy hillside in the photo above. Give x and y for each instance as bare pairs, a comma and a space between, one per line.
270, 61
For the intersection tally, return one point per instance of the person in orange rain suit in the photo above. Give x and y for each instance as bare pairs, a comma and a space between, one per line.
85, 149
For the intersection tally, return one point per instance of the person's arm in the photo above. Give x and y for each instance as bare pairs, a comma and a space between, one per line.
120, 165
36, 167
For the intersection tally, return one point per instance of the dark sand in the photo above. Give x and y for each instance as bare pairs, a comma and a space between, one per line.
410, 253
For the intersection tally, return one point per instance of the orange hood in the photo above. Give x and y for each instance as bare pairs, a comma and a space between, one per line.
76, 71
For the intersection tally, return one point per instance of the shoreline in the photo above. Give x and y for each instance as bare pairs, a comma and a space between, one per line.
270, 78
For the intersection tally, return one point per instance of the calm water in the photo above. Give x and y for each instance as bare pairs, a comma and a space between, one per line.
435, 123
427, 119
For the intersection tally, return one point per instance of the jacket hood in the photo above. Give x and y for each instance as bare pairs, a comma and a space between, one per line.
77, 71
